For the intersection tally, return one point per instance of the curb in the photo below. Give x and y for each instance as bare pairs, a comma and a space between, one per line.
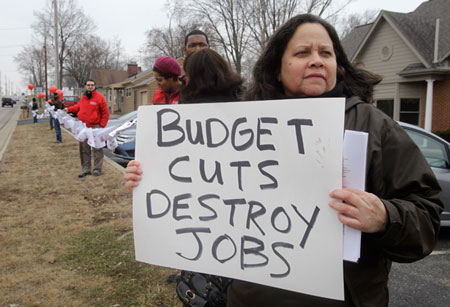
15, 119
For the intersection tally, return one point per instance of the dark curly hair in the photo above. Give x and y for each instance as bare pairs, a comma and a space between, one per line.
265, 84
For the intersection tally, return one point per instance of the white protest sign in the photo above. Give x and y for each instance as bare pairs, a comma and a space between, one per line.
242, 190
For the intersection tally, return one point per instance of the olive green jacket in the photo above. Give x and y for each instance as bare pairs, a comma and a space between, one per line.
399, 175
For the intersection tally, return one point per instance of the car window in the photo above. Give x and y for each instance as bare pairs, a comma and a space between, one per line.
433, 150
126, 117
71, 99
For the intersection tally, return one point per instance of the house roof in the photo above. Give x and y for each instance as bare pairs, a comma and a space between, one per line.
104, 77
145, 81
352, 41
417, 28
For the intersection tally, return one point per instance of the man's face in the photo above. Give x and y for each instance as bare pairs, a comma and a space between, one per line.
90, 86
195, 42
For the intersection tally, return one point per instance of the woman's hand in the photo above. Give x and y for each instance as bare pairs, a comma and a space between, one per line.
360, 210
132, 174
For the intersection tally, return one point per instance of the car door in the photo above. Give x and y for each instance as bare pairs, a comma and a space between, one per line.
437, 153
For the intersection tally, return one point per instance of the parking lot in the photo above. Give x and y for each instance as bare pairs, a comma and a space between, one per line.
426, 282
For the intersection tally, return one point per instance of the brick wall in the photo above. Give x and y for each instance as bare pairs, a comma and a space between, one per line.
441, 106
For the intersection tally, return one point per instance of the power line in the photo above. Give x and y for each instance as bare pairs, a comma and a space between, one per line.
17, 28
11, 46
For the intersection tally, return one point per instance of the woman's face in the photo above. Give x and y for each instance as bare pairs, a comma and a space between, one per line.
308, 65
167, 85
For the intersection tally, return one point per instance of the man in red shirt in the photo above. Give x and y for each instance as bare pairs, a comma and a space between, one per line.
92, 110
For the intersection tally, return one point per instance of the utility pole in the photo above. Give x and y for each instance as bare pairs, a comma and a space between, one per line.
45, 62
55, 9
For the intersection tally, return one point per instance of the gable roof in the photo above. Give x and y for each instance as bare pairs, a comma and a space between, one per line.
104, 77
416, 28
352, 41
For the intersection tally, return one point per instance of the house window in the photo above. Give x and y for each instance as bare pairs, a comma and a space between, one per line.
128, 92
387, 106
409, 110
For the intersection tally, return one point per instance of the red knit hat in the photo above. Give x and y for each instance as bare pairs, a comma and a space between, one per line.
168, 66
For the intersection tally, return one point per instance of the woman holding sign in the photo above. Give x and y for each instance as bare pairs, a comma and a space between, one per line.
398, 214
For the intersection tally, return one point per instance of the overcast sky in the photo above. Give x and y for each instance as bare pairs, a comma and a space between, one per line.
124, 19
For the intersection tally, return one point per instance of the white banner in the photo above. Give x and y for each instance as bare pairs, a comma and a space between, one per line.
97, 137
242, 190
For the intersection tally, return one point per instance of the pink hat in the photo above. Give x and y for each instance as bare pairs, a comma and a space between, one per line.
168, 66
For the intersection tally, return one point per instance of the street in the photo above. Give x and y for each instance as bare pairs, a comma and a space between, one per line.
425, 282
8, 118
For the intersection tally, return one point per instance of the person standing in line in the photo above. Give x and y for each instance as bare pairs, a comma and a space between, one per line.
194, 41
398, 213
59, 105
167, 73
34, 108
92, 110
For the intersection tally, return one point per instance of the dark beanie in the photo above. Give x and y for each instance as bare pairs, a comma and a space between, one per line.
168, 66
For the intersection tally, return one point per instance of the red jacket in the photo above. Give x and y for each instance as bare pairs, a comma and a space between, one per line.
92, 111
162, 97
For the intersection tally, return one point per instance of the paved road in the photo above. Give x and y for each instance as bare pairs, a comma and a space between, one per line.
426, 282
8, 121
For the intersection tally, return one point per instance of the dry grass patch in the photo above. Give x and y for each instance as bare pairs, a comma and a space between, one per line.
68, 241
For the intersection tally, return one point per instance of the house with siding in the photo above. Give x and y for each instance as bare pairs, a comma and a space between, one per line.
136, 90
411, 51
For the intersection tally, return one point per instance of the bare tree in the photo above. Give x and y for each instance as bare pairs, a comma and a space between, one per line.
353, 20
73, 24
227, 20
263, 17
169, 40
89, 52
31, 62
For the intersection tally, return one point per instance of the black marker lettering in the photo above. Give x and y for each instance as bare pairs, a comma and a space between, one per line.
150, 212
247, 144
252, 250
172, 126
261, 167
177, 206
298, 123
310, 224
194, 231
175, 177
199, 136
265, 120
216, 244
274, 248
275, 214
217, 173
233, 203
239, 165
251, 216
209, 140
202, 200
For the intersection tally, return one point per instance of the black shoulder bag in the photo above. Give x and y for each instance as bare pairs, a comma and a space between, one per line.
202, 290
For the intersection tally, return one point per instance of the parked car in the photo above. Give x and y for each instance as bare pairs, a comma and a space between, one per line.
437, 153
122, 119
7, 102
435, 150
70, 101
125, 152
